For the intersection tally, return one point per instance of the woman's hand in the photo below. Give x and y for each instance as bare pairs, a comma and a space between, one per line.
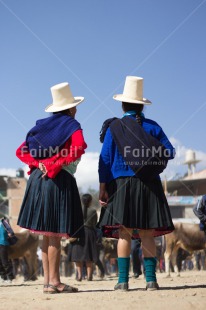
103, 195
43, 169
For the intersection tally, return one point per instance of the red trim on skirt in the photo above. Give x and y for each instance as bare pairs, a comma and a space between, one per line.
113, 231
48, 233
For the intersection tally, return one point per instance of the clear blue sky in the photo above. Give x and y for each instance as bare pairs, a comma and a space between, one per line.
94, 45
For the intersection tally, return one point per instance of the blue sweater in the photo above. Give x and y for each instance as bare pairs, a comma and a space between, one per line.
111, 162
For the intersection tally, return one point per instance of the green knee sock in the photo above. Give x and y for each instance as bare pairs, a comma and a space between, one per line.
123, 269
150, 269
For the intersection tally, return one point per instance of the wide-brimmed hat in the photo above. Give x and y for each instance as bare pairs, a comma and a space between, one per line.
62, 98
133, 91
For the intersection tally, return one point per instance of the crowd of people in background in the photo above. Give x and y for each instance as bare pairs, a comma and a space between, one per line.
100, 261
134, 208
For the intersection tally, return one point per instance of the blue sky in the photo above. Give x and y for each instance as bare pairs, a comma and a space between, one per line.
94, 45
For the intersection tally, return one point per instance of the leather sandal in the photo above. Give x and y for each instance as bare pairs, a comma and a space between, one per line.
54, 288
67, 289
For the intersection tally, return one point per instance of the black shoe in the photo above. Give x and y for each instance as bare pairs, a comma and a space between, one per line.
152, 286
137, 274
101, 276
121, 286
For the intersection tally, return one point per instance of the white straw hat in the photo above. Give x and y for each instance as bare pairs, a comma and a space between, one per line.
133, 91
62, 98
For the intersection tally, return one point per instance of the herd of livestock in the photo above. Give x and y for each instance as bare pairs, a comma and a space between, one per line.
186, 239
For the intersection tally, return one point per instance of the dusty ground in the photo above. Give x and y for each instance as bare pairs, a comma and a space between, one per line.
184, 293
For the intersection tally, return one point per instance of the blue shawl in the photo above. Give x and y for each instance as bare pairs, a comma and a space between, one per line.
49, 135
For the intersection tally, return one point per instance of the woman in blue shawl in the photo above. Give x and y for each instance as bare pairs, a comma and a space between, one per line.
51, 205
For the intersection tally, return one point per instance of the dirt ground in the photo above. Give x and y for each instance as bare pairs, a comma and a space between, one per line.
185, 292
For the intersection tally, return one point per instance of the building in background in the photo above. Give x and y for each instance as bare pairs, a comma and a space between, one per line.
12, 191
4, 203
182, 194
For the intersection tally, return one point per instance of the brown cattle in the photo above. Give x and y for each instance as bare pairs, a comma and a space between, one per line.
110, 248
186, 236
26, 247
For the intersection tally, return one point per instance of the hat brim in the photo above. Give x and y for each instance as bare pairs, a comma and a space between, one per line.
54, 108
122, 98
189, 162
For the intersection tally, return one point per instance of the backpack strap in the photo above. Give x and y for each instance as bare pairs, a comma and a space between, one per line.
7, 227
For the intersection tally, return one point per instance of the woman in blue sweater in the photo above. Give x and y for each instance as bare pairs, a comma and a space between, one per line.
135, 150
6, 269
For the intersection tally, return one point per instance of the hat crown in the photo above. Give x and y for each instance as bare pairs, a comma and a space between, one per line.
133, 91
62, 98
61, 94
133, 88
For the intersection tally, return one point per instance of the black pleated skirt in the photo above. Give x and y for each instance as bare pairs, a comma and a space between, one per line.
85, 249
52, 206
135, 204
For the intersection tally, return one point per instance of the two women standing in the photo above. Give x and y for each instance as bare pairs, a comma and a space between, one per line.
131, 194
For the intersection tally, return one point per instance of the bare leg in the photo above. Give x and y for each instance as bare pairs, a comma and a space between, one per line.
79, 267
51, 254
45, 261
148, 243
89, 270
124, 242
54, 260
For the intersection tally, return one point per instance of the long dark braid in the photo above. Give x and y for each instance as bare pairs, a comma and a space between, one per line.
138, 108
86, 201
